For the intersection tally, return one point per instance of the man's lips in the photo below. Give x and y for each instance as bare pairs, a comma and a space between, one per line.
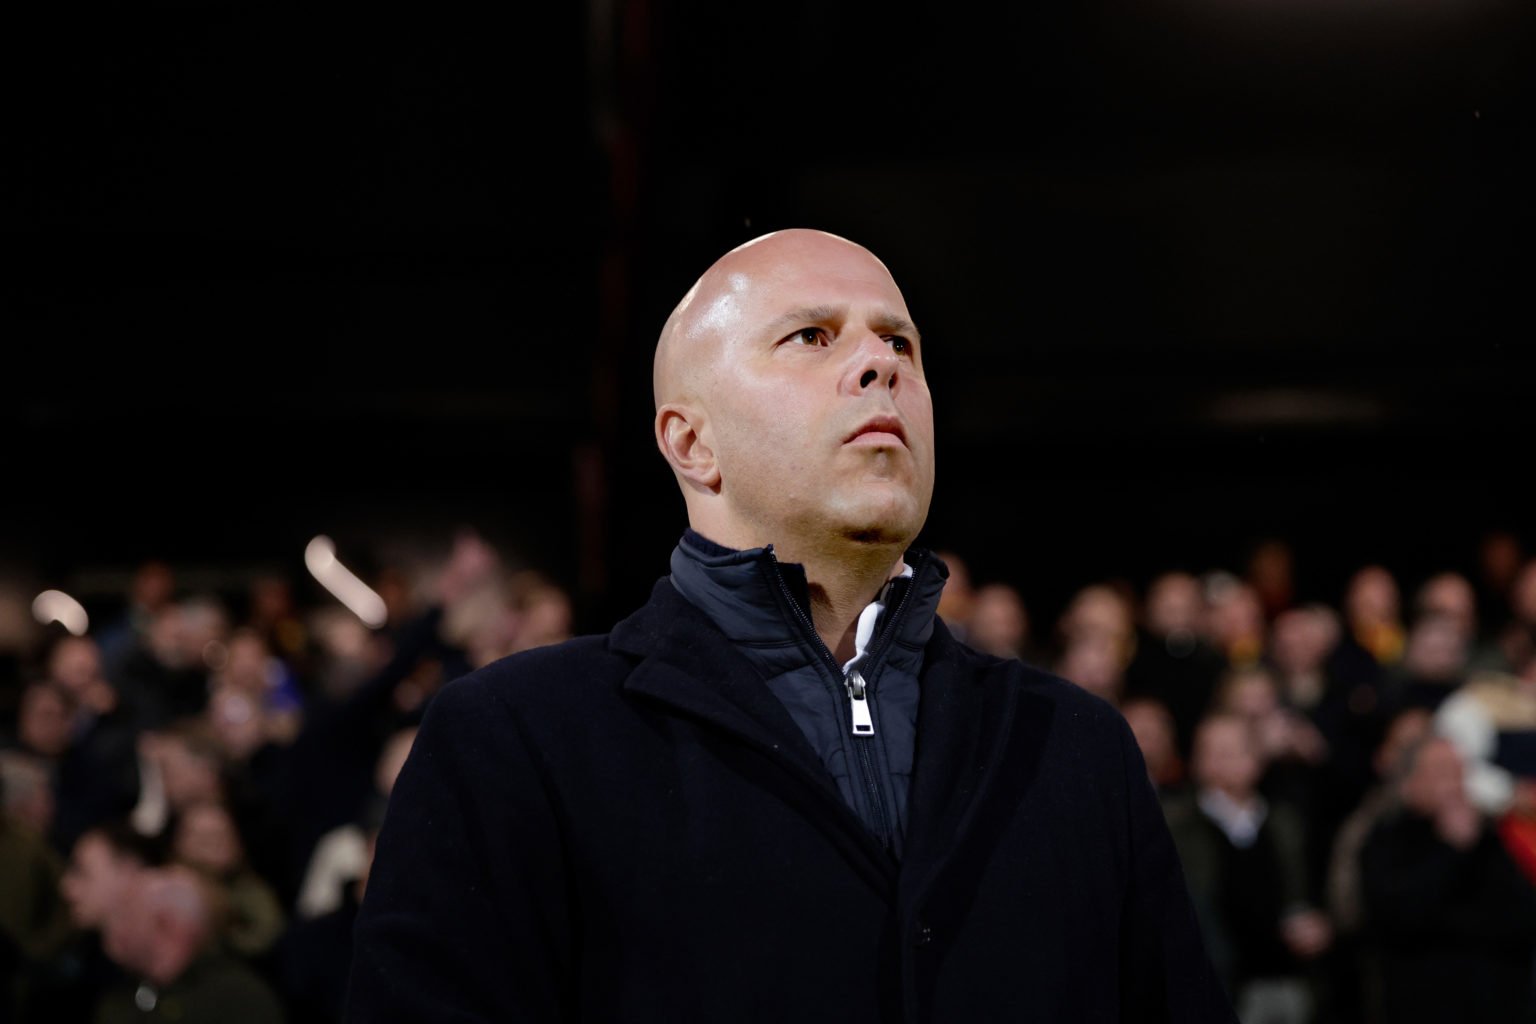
880, 430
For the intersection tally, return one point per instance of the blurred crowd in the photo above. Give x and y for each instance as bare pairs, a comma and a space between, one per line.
191, 792
1351, 787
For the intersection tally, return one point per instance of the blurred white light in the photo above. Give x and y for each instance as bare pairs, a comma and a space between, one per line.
57, 606
360, 599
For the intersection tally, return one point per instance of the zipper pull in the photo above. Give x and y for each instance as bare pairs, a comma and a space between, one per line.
863, 722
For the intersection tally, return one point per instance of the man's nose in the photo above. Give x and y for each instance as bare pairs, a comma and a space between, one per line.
875, 364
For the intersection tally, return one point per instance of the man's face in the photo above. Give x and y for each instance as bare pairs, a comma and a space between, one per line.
818, 411
96, 879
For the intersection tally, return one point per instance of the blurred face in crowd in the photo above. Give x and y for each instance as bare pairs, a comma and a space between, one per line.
958, 599
152, 585
791, 401
206, 839
1435, 781
1250, 695
1372, 598
1095, 665
1499, 557
998, 623
1152, 726
45, 721
1175, 605
76, 666
1223, 756
97, 878
190, 772
1235, 616
1450, 596
247, 660
238, 722
1437, 649
160, 924
1098, 613
27, 790
1302, 639
1522, 598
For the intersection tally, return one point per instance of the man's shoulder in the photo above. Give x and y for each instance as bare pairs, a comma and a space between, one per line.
572, 672
1071, 704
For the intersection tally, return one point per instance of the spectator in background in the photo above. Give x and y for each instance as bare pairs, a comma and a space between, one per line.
1347, 717
1244, 859
1272, 575
1451, 918
1350, 957
179, 766
342, 855
28, 791
207, 841
105, 861
165, 678
1174, 664
1433, 665
1499, 558
96, 777
271, 614
999, 623
45, 722
1098, 641
34, 923
1235, 623
163, 934
958, 600
541, 615
149, 593
1491, 721
1407, 729
316, 952
1373, 616
1153, 727
251, 668
1517, 641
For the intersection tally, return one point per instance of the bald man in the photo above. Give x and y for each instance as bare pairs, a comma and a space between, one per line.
780, 791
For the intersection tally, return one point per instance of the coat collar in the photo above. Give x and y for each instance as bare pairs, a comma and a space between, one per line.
979, 734
688, 665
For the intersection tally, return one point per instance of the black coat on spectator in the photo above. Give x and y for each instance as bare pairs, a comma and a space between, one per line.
1454, 930
631, 827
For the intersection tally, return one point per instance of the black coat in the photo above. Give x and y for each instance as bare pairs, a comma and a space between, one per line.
632, 828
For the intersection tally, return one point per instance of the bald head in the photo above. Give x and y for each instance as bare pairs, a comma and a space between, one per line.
790, 399
720, 302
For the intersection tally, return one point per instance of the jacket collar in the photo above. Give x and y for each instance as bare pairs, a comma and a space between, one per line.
978, 738
762, 605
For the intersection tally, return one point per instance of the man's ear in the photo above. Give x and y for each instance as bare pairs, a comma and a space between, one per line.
679, 435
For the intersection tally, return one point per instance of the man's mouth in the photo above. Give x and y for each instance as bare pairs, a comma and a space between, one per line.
880, 430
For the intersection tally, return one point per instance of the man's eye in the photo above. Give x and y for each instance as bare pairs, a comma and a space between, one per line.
811, 336
901, 346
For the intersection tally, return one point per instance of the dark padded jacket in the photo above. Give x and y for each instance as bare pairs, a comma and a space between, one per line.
763, 608
632, 828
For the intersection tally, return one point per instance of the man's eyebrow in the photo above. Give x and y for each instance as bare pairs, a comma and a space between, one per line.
808, 315
884, 321
887, 322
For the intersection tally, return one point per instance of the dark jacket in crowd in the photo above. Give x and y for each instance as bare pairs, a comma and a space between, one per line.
1454, 930
632, 827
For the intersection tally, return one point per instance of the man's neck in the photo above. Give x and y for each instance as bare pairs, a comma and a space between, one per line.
841, 588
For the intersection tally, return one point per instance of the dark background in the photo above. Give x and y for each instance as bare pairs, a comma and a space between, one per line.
1191, 273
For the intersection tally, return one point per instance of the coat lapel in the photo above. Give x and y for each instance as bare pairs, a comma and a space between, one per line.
979, 737
690, 667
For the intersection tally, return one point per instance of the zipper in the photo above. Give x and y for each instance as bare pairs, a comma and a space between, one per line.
854, 684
